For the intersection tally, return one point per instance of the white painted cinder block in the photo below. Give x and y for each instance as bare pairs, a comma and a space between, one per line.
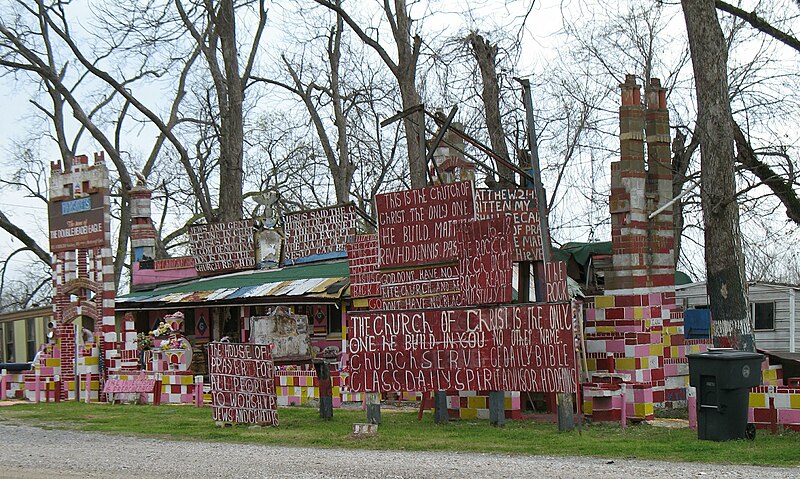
110, 337
595, 346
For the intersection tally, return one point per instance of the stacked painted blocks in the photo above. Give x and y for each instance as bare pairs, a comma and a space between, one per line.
602, 397
475, 404
15, 385
177, 387
296, 387
774, 404
625, 335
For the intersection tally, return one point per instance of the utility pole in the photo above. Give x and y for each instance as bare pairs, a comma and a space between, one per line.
566, 418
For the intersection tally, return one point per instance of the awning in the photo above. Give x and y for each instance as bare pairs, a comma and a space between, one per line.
289, 284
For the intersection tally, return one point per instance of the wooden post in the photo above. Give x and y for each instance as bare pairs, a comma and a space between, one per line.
325, 389
624, 416
57, 388
373, 401
37, 387
440, 415
157, 390
497, 408
422, 404
566, 408
691, 399
198, 391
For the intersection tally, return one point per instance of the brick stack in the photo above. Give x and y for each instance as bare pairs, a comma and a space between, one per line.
143, 234
625, 327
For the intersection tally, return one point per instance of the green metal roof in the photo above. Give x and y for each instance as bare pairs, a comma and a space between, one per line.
247, 279
582, 251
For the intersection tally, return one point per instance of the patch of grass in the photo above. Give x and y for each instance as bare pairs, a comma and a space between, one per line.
400, 430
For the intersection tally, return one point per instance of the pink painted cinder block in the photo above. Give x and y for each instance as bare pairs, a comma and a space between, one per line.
642, 350
615, 346
654, 299
750, 415
591, 314
789, 416
628, 313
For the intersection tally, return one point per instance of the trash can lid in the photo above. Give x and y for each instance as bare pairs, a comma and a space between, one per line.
724, 354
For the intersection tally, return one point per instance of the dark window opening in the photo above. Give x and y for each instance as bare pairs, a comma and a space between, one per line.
764, 316
30, 337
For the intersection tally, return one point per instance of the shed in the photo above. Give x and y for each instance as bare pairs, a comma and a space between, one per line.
773, 307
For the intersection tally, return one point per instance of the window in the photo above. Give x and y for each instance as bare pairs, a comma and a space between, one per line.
334, 320
30, 337
10, 343
764, 316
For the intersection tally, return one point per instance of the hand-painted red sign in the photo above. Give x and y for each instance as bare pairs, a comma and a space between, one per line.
129, 386
77, 227
362, 255
482, 274
555, 273
242, 383
220, 247
320, 232
505, 348
417, 227
520, 204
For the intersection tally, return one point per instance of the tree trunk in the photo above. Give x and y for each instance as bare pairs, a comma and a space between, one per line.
231, 124
681, 155
726, 284
406, 74
485, 53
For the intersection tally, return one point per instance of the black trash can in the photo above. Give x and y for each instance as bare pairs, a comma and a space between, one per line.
723, 378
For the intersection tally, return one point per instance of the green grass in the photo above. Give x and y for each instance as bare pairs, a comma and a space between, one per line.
400, 430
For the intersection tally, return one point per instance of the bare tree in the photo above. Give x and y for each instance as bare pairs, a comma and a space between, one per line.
404, 69
726, 284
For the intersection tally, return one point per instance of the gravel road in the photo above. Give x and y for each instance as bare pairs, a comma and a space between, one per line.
28, 453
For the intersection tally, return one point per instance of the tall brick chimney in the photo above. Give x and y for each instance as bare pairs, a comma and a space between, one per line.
143, 232
642, 248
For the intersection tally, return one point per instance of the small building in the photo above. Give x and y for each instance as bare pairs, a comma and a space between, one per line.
22, 333
773, 309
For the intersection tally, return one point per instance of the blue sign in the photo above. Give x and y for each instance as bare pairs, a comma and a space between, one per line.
76, 206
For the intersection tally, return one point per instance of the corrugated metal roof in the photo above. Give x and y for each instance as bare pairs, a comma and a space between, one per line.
328, 280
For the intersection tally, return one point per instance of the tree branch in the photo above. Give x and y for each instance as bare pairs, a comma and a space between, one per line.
759, 24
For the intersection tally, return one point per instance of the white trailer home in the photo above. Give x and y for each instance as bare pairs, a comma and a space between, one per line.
773, 307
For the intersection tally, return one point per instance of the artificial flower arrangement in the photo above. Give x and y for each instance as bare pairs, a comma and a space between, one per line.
173, 343
162, 329
144, 341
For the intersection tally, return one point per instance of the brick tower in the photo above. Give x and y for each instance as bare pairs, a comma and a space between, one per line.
83, 266
632, 329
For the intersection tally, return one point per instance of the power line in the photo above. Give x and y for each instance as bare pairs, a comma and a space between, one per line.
24, 206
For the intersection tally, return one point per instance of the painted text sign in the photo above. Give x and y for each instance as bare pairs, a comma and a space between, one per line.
242, 383
362, 255
520, 204
129, 386
555, 273
219, 247
504, 348
482, 274
77, 224
318, 232
418, 226
181, 262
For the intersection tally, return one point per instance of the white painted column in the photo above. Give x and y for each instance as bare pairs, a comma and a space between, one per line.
792, 320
